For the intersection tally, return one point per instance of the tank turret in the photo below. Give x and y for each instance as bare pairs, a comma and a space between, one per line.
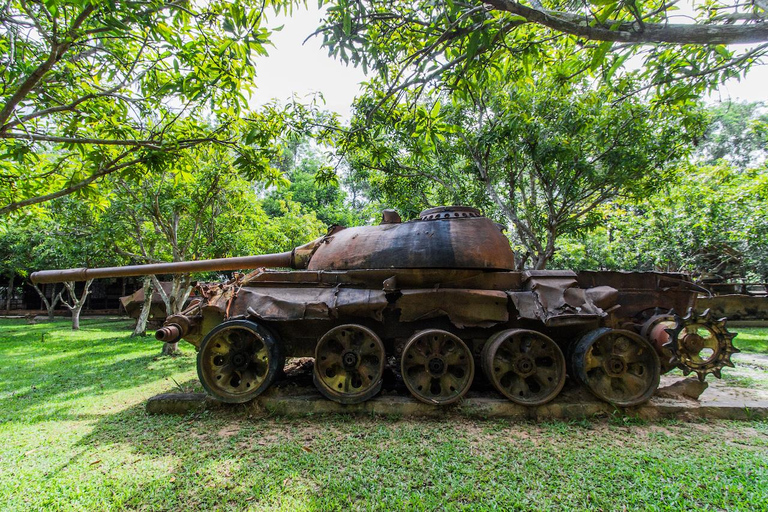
444, 237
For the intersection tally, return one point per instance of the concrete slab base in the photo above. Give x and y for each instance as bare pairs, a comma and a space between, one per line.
571, 404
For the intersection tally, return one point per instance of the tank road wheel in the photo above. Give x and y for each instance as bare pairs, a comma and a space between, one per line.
437, 367
238, 360
525, 366
617, 366
349, 364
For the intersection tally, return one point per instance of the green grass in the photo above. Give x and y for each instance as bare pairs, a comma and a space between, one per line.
74, 435
751, 339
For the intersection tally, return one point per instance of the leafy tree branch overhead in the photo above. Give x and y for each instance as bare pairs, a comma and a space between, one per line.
682, 49
646, 22
88, 89
540, 156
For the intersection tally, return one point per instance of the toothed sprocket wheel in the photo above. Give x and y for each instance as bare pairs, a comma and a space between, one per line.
701, 344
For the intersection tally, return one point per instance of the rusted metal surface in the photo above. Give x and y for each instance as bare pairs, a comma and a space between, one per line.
284, 259
462, 242
525, 366
238, 360
349, 364
701, 344
291, 304
425, 300
736, 307
656, 330
169, 333
437, 367
620, 367
639, 292
464, 308
554, 298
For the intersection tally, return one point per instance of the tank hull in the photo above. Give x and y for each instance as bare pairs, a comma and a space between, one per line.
300, 307
466, 299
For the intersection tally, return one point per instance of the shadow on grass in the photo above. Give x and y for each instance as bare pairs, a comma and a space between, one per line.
219, 460
228, 460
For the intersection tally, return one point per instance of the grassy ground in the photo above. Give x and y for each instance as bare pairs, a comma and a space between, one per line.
73, 435
751, 339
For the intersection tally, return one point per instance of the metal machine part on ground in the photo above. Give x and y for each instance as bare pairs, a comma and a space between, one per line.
438, 302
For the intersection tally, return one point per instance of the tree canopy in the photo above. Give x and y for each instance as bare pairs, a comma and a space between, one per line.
541, 155
455, 44
88, 89
711, 221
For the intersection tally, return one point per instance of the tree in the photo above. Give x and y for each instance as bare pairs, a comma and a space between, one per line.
89, 89
21, 242
315, 187
543, 156
67, 233
168, 217
15, 249
76, 301
198, 208
141, 323
416, 45
738, 133
50, 304
710, 220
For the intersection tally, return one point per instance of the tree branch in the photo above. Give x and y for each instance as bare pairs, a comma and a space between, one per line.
56, 53
631, 32
68, 190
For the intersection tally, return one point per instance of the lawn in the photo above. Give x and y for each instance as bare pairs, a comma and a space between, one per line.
751, 339
74, 435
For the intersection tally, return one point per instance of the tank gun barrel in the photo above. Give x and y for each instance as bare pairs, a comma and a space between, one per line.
283, 259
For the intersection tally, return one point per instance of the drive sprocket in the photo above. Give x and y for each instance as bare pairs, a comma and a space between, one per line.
701, 344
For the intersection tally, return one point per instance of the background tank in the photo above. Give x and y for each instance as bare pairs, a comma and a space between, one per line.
436, 302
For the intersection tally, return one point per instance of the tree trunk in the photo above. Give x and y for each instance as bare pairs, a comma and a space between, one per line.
141, 323
50, 306
77, 302
170, 349
174, 303
9, 294
76, 317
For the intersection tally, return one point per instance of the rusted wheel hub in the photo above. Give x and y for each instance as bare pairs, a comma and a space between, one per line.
238, 360
617, 366
349, 360
349, 364
614, 366
655, 331
525, 366
694, 343
437, 367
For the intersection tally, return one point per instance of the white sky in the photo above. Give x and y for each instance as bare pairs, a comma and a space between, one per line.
295, 67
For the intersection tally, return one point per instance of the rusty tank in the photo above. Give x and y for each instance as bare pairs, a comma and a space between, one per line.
437, 303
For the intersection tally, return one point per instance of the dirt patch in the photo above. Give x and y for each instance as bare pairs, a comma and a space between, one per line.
229, 430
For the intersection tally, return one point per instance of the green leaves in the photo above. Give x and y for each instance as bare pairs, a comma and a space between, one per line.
598, 56
464, 47
705, 220
541, 154
127, 78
